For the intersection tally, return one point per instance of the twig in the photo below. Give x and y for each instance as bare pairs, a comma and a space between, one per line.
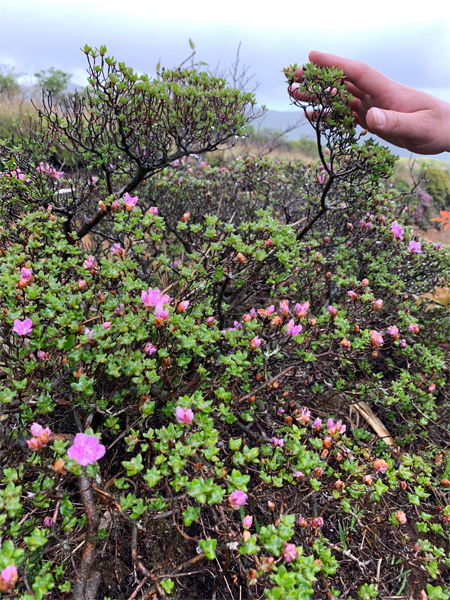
92, 524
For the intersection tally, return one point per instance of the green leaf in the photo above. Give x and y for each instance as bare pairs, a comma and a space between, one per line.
209, 548
190, 515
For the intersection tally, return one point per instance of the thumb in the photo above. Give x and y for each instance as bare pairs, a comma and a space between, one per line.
388, 123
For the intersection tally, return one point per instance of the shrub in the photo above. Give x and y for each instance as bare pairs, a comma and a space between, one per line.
209, 337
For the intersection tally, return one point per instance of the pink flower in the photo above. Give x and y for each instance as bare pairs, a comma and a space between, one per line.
292, 329
48, 521
298, 475
247, 521
352, 295
255, 343
26, 274
393, 330
210, 321
81, 284
116, 249
89, 262
317, 424
253, 313
154, 297
290, 553
41, 354
181, 308
86, 449
161, 313
115, 206
431, 388
397, 230
377, 305
8, 578
376, 339
277, 442
106, 325
414, 328
153, 210
301, 309
332, 311
150, 348
437, 246
237, 499
184, 415
415, 247
403, 344
23, 327
304, 416
88, 332
129, 202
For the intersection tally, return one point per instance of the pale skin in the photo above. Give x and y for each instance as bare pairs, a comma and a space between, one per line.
395, 112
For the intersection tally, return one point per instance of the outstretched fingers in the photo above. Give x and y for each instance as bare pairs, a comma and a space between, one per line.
363, 77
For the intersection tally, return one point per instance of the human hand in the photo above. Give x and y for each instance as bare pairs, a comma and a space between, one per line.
396, 113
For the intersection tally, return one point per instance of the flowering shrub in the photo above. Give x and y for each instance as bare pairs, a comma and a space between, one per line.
222, 368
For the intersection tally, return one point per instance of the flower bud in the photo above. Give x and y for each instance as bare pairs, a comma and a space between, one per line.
445, 483
316, 522
380, 465
181, 308
271, 505
367, 479
402, 485
246, 535
247, 521
58, 467
8, 579
302, 522
401, 517
338, 485
241, 258
185, 218
345, 344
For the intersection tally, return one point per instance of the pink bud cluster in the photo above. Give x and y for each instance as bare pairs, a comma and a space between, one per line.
50, 171
40, 437
335, 428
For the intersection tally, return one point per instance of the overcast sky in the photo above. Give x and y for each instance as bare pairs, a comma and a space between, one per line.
411, 45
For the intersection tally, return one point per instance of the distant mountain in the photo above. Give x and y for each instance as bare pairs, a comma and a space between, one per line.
280, 120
